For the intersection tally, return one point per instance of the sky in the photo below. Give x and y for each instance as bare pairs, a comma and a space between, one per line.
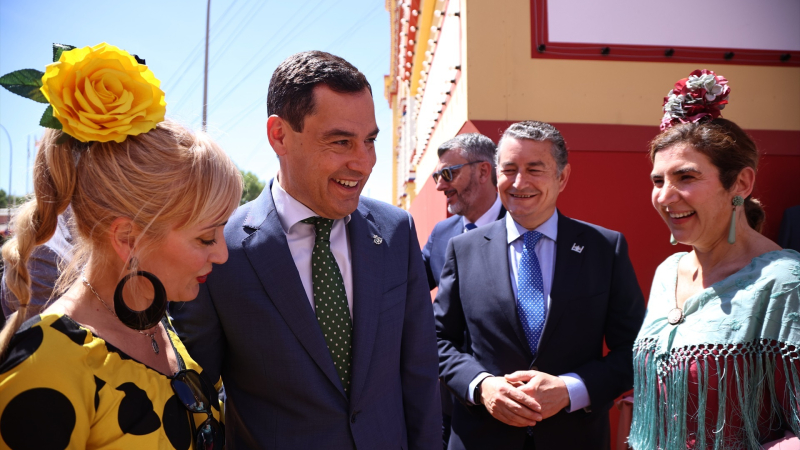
249, 38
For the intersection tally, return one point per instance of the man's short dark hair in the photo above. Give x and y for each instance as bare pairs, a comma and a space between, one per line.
291, 89
540, 131
473, 147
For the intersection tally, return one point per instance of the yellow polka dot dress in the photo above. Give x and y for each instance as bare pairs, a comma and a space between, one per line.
61, 387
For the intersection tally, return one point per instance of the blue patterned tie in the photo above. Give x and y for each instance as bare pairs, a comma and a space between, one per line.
470, 226
530, 292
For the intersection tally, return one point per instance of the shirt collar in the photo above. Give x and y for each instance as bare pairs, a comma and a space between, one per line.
487, 217
549, 228
290, 210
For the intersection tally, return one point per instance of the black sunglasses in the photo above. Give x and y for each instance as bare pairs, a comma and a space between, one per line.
447, 172
191, 389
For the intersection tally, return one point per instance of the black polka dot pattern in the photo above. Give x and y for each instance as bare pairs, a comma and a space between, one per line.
40, 418
22, 346
176, 424
64, 388
136, 415
330, 299
71, 329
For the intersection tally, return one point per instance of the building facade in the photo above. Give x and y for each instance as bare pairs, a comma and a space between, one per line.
598, 71
479, 65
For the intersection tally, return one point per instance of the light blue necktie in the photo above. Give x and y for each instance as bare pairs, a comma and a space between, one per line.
530, 292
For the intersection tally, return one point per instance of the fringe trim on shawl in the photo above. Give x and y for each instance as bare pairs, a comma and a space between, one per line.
659, 411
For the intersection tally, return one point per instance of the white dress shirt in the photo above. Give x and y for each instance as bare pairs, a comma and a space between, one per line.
487, 217
300, 237
546, 253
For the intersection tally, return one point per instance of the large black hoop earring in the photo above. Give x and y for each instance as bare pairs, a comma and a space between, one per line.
150, 317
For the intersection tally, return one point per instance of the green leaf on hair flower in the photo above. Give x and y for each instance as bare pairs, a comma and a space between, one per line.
58, 49
48, 120
26, 83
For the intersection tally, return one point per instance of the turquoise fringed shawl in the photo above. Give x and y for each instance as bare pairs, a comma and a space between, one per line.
743, 331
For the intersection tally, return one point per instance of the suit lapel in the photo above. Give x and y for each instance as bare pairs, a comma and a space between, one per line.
367, 256
268, 252
499, 281
568, 266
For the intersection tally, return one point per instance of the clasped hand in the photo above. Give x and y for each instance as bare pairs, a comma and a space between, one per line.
524, 398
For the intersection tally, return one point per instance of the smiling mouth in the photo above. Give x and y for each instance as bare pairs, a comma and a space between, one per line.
522, 195
346, 183
202, 278
681, 215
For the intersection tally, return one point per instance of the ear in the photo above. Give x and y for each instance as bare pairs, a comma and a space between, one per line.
744, 183
277, 130
123, 237
484, 172
564, 178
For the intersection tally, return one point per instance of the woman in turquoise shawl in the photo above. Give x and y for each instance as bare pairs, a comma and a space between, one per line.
716, 361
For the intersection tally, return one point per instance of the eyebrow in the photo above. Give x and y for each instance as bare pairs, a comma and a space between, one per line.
530, 164
535, 164
680, 171
683, 170
337, 132
216, 225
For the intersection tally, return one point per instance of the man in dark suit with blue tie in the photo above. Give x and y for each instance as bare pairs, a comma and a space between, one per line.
524, 307
319, 323
466, 175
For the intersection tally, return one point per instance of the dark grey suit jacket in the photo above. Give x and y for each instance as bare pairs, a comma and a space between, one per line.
595, 297
253, 325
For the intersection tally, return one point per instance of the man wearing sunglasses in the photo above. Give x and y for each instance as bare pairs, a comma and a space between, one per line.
319, 323
466, 176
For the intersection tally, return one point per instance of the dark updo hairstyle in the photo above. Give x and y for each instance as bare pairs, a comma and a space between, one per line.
728, 147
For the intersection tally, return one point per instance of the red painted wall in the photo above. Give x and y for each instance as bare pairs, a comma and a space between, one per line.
427, 209
610, 186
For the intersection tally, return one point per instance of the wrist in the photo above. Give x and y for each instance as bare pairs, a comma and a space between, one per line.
477, 394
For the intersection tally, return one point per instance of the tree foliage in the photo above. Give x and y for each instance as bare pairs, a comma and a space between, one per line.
252, 187
10, 200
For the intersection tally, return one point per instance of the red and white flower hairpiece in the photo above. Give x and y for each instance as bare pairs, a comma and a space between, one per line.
701, 96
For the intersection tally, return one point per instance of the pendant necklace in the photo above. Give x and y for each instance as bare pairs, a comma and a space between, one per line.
675, 316
152, 336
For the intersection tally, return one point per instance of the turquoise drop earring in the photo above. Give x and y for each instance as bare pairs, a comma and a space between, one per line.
737, 201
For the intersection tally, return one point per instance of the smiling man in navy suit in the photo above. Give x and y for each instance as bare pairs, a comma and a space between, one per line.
320, 324
524, 306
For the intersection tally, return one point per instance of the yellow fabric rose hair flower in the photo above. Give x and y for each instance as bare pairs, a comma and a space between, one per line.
103, 94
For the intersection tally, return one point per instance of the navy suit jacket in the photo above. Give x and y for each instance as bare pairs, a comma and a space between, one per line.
252, 324
595, 296
435, 248
789, 234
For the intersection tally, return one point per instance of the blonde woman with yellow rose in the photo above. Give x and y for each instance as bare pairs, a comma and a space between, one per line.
101, 367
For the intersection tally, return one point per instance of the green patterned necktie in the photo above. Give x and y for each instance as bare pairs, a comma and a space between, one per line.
330, 299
